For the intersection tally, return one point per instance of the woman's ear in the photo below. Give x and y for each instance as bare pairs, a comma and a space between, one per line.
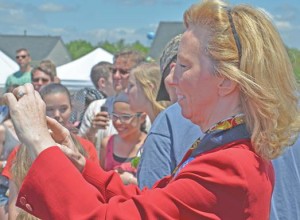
226, 86
143, 116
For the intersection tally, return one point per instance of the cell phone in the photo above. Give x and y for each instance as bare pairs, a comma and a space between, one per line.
103, 109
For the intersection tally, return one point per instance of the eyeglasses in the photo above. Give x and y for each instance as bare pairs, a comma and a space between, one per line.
121, 71
124, 118
21, 56
44, 80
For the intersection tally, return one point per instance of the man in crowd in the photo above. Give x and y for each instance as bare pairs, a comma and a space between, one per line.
101, 78
23, 75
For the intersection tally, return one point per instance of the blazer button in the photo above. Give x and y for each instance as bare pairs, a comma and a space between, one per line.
23, 200
28, 207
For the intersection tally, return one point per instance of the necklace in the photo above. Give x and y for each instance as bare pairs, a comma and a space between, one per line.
223, 125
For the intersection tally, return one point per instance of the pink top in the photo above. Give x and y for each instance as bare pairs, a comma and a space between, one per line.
113, 162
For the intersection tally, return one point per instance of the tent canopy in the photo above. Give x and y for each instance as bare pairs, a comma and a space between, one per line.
76, 74
80, 69
7, 67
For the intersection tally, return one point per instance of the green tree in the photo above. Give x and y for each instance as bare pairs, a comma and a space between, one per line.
120, 45
140, 47
294, 55
79, 48
112, 48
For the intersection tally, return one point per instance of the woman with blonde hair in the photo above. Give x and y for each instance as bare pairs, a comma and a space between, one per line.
142, 90
234, 79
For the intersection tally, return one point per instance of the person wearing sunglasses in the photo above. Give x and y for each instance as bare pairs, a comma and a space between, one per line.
118, 150
23, 75
40, 77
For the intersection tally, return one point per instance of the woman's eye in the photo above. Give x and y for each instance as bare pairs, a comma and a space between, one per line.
130, 86
62, 110
182, 65
126, 117
49, 109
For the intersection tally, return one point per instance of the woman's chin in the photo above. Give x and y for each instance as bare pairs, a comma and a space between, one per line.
185, 112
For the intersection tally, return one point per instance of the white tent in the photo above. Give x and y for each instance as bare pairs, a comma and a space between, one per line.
7, 67
76, 74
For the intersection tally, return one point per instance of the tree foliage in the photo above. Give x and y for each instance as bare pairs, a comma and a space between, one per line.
294, 55
121, 45
79, 48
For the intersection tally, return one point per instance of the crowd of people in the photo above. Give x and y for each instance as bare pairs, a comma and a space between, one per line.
203, 133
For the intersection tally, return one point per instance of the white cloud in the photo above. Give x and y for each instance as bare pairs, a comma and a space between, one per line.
280, 20
51, 7
148, 2
16, 12
284, 25
271, 17
130, 35
114, 34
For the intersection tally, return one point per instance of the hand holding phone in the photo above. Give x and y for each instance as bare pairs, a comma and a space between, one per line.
103, 109
101, 119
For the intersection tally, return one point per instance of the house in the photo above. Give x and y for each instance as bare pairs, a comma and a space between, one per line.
164, 33
40, 48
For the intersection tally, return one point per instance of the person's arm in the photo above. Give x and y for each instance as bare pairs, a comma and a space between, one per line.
102, 151
86, 130
13, 210
204, 189
2, 139
155, 160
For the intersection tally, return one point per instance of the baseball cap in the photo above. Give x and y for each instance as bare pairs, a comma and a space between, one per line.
168, 56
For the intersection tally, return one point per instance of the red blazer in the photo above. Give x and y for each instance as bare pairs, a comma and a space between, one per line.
86, 144
230, 182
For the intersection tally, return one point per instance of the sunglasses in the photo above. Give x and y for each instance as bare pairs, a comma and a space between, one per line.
121, 71
124, 118
22, 56
40, 79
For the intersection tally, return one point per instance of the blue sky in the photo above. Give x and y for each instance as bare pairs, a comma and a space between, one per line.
98, 20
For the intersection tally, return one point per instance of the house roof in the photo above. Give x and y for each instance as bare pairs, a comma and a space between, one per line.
40, 47
164, 33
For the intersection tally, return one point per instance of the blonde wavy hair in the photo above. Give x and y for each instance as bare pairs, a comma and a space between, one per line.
269, 90
148, 76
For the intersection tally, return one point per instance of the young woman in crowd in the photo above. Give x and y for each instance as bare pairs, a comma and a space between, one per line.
142, 90
58, 106
117, 151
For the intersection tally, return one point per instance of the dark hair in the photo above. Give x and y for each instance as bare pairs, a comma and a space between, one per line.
54, 88
100, 70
